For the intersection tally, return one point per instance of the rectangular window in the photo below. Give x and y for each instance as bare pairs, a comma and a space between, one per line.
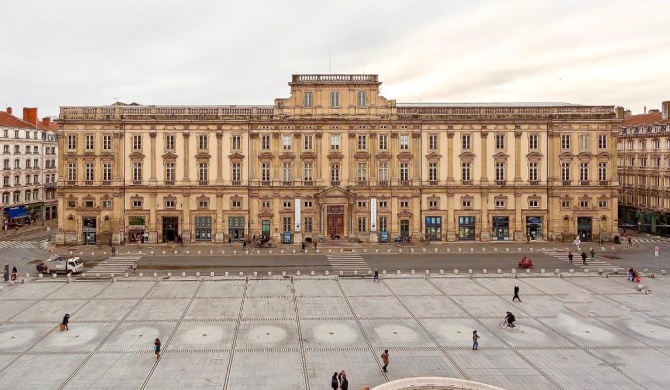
532, 171
287, 204
602, 204
565, 204
466, 171
532, 141
286, 142
27, 149
307, 204
71, 171
237, 173
335, 141
499, 203
404, 171
308, 171
602, 141
465, 141
362, 142
383, 142
362, 222
362, 172
584, 204
335, 174
307, 99
583, 141
72, 142
432, 172
136, 203
169, 172
362, 204
334, 99
89, 172
107, 142
202, 142
383, 172
17, 196
169, 203
360, 99
286, 171
500, 171
202, 173
236, 142
308, 143
265, 142
500, 141
383, 224
565, 141
169, 142
88, 144
265, 172
404, 142
565, 171
286, 224
432, 142
584, 171
106, 172
533, 203
404, 204
602, 171
137, 142
137, 173
308, 224
265, 204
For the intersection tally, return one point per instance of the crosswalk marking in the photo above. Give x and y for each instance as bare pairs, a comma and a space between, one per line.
347, 261
650, 241
577, 259
114, 264
15, 244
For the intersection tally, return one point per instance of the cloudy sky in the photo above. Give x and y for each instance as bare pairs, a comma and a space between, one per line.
83, 52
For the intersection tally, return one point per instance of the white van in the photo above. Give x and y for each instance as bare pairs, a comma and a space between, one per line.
63, 264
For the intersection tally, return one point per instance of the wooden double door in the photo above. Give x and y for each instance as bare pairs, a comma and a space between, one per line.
335, 220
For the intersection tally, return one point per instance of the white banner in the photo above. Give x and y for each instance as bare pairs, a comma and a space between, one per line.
373, 214
297, 215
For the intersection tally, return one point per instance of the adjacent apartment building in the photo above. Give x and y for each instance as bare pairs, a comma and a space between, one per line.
29, 155
336, 158
644, 170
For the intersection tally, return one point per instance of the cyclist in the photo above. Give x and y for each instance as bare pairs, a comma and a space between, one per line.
509, 318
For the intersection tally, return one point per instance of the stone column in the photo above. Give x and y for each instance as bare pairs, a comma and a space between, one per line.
186, 221
187, 157
485, 157
451, 216
518, 225
485, 233
152, 223
219, 157
219, 234
517, 156
153, 157
417, 160
119, 158
450, 158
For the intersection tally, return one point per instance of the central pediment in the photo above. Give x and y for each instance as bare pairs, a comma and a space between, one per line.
335, 192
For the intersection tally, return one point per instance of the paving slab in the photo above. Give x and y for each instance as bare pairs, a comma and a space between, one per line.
113, 371
320, 288
215, 309
432, 306
192, 370
321, 307
202, 336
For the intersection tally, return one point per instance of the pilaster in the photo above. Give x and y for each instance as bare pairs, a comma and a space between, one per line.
517, 156
485, 158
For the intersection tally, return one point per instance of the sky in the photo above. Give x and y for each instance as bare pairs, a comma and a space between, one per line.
214, 52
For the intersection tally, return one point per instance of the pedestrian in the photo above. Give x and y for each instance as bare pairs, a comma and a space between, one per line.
593, 254
66, 321
584, 258
475, 342
315, 244
113, 251
334, 384
630, 274
630, 242
157, 348
14, 273
134, 267
570, 256
344, 382
385, 359
376, 277
516, 294
244, 245
303, 246
527, 238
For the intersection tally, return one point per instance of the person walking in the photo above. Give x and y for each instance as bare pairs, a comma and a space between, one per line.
65, 322
385, 359
113, 251
334, 384
14, 273
475, 342
303, 246
593, 254
570, 256
584, 258
244, 245
315, 243
516, 294
157, 348
630, 242
344, 382
376, 277
134, 267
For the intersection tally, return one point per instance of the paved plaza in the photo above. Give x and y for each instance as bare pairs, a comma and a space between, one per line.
576, 332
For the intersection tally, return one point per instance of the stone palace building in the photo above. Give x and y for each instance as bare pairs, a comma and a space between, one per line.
337, 158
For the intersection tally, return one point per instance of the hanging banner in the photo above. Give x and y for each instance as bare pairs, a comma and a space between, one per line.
298, 217
373, 214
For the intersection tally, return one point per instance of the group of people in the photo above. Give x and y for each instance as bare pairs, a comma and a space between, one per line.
633, 275
339, 381
583, 255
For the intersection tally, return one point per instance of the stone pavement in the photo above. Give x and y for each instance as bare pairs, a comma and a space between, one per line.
576, 332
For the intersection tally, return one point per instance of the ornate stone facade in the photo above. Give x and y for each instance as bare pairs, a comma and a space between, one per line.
336, 158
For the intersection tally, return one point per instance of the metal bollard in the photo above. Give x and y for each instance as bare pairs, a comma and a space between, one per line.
499, 271
441, 272
183, 274
413, 272
141, 274
327, 273
485, 271
397, 272
197, 274
211, 274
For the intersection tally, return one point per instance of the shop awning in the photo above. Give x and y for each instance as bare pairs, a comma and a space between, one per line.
16, 212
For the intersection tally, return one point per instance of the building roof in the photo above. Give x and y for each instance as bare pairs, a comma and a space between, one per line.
644, 119
510, 104
8, 120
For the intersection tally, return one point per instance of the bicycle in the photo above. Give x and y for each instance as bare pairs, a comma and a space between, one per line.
504, 325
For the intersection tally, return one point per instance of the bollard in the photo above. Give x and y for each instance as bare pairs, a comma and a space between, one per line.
600, 270
455, 272
258, 252
235, 252
355, 273
199, 252
281, 252
141, 274
586, 270
211, 274
531, 249
82, 253
255, 274
397, 272
54, 276
270, 251
485, 271
152, 252
424, 250
448, 250
527, 270
241, 273
104, 253
197, 274
226, 274
327, 273
557, 271
612, 247
283, 273
506, 249
125, 275
294, 251
441, 272
606, 275
369, 272
341, 273
376, 250
470, 271
411, 250
188, 252
388, 250
472, 249
67, 280
427, 272
39, 276
297, 273
495, 249
459, 250
139, 252
97, 275
155, 274
572, 271
518, 249
602, 248
400, 250
163, 252
312, 273
483, 249
341, 250
330, 251
223, 252
183, 274
541, 270
513, 270
169, 274
413, 272
499, 271
92, 253
663, 272
211, 252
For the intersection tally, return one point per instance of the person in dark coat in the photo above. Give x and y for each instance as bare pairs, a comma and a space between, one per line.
334, 383
584, 258
516, 294
66, 320
570, 256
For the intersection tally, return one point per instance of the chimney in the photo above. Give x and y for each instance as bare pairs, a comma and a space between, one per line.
9, 110
665, 110
620, 113
46, 121
30, 115
628, 113
645, 110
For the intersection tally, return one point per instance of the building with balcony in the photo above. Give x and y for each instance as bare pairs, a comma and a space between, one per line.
29, 154
644, 170
336, 158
